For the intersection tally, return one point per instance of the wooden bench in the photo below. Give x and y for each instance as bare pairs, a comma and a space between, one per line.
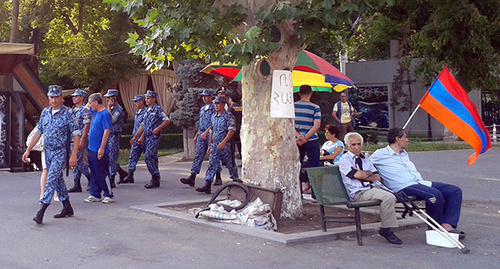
329, 189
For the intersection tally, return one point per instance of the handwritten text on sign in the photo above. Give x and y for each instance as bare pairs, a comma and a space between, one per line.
282, 95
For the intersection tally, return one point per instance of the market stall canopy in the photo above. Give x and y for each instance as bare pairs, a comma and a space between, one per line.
15, 48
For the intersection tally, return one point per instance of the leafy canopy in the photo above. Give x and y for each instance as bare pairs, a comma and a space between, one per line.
463, 34
227, 30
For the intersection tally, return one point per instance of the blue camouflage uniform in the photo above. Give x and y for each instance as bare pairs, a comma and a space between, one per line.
221, 124
202, 145
82, 117
136, 150
57, 130
117, 118
153, 118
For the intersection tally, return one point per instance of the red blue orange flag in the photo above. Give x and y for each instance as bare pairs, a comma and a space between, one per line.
448, 103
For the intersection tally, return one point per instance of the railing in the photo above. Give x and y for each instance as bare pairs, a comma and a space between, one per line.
492, 129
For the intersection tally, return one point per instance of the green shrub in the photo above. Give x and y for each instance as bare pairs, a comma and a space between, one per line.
373, 136
167, 141
128, 127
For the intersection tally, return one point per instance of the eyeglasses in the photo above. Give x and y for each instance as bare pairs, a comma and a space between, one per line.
356, 144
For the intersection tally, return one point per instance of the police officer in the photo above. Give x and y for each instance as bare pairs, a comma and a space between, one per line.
223, 128
201, 139
82, 117
117, 118
57, 125
149, 133
136, 150
236, 109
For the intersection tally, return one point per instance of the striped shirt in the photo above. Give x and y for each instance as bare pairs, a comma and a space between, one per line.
305, 114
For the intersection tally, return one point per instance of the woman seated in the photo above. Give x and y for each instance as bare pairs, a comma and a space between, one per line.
332, 150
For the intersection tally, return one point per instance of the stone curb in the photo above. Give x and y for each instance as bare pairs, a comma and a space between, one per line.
346, 232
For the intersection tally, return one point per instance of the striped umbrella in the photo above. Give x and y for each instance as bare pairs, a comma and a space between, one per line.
228, 70
312, 70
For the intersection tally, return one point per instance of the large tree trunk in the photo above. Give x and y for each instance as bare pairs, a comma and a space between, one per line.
15, 21
189, 148
270, 154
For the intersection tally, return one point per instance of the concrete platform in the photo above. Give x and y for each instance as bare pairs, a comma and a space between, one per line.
347, 232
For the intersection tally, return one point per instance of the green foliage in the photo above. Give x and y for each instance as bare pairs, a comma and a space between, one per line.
218, 30
95, 53
463, 34
425, 146
372, 38
5, 12
369, 136
128, 127
188, 93
78, 43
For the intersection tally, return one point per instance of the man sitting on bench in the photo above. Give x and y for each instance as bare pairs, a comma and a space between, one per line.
357, 174
442, 201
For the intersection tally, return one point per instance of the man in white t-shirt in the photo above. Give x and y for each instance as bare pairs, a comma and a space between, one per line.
343, 113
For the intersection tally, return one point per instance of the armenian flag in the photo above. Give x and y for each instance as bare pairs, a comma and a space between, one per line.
448, 103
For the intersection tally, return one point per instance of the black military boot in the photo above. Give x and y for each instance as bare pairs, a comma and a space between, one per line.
190, 180
129, 178
206, 188
112, 181
39, 215
154, 183
218, 179
67, 210
123, 174
77, 187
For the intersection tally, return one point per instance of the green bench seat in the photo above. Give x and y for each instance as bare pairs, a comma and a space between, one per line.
329, 189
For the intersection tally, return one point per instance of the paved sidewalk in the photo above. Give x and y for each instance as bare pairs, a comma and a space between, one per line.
114, 236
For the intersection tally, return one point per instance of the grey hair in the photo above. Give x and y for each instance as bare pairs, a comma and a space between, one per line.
96, 97
346, 138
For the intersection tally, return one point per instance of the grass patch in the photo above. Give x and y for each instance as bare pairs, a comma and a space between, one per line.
125, 154
424, 146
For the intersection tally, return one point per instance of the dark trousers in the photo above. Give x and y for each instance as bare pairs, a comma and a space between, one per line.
311, 149
443, 201
99, 170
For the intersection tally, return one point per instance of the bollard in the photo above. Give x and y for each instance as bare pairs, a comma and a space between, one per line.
494, 132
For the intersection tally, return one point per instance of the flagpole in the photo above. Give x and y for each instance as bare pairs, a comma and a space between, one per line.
411, 116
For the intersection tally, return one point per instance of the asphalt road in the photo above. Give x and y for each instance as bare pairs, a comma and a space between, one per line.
112, 236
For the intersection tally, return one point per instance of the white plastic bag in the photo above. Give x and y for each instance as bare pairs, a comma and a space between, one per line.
39, 145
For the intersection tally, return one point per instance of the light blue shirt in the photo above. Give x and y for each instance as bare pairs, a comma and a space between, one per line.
397, 171
330, 147
346, 164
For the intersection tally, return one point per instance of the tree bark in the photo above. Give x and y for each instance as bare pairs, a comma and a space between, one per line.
270, 154
15, 21
189, 148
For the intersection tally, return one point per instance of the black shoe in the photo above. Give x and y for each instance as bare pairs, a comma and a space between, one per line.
206, 188
218, 179
112, 181
129, 178
76, 188
123, 174
154, 183
389, 236
190, 180
461, 234
39, 215
67, 210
